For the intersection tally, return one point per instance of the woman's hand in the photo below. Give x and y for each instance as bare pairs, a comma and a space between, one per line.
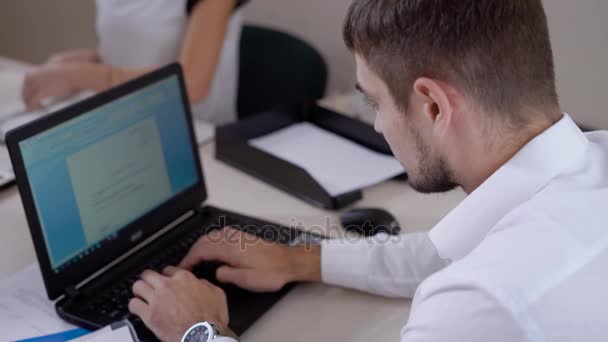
75, 56
48, 81
58, 81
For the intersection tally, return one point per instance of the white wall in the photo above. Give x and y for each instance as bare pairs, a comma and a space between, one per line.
579, 31
30, 29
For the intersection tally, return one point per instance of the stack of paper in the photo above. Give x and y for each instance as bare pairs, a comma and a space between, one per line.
204, 132
123, 333
12, 120
11, 83
26, 313
25, 310
337, 164
12, 109
13, 112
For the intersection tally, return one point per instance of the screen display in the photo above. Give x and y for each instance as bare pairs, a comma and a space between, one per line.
95, 174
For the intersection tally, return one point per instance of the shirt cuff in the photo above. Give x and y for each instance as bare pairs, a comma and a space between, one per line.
224, 339
345, 263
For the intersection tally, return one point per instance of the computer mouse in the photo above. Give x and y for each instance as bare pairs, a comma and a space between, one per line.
369, 222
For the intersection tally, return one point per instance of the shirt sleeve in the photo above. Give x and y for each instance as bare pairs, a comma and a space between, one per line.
191, 3
460, 312
224, 339
391, 266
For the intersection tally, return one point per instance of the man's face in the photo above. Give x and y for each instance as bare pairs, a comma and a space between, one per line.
409, 133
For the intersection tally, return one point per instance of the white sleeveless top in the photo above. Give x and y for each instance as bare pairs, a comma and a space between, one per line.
149, 33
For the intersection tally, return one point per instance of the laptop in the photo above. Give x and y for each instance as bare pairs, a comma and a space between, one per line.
113, 186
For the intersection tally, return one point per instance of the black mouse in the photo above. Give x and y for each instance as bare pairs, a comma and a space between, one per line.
369, 222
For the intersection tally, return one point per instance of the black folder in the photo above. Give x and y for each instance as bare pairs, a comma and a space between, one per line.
233, 149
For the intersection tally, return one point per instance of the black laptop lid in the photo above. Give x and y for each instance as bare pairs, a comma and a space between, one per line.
100, 177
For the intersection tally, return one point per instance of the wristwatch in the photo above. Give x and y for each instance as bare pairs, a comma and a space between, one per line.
205, 332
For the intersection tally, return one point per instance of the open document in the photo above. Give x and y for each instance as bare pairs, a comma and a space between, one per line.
336, 163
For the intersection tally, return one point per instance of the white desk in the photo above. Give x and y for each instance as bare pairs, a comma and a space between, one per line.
310, 312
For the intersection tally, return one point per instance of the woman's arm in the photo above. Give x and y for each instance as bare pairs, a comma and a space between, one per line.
203, 45
201, 49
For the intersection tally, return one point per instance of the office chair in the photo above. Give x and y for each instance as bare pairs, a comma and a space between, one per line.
277, 68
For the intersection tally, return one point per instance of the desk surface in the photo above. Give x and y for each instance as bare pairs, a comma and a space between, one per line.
311, 312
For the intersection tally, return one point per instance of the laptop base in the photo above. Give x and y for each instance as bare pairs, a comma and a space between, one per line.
106, 299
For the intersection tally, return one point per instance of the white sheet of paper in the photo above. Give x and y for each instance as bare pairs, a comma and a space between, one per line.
11, 82
338, 164
107, 335
16, 119
204, 132
25, 310
6, 175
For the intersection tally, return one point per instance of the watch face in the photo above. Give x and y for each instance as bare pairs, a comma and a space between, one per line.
198, 334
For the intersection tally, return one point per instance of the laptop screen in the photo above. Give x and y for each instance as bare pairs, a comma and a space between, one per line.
93, 175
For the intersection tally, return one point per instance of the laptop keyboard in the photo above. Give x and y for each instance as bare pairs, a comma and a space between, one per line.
112, 303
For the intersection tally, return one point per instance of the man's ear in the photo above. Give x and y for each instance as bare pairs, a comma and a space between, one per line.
436, 103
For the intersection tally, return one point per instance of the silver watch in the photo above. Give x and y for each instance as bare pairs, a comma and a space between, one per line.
204, 332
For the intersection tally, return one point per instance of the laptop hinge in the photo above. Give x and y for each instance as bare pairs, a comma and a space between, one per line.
72, 292
132, 251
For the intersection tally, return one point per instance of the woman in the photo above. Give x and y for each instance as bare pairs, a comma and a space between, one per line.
138, 36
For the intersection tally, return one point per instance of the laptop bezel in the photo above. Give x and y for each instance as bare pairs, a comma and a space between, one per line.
149, 224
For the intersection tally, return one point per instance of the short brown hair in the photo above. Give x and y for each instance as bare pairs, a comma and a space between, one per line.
498, 52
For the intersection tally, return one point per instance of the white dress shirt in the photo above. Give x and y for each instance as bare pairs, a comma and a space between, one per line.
523, 258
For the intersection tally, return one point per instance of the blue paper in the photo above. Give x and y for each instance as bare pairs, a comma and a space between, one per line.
60, 337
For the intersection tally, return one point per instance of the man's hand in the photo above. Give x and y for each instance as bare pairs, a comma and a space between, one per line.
253, 263
169, 304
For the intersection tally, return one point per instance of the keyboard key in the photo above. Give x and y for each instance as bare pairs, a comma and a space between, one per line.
115, 314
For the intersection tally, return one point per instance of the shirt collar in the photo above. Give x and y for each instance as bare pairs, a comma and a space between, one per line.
543, 158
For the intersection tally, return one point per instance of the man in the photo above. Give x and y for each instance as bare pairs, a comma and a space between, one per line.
465, 96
